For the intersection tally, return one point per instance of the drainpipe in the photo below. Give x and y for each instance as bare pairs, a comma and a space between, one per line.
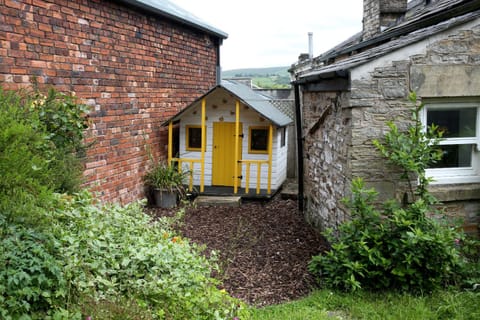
218, 67
298, 125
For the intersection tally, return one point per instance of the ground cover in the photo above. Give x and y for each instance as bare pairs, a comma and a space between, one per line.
327, 304
263, 247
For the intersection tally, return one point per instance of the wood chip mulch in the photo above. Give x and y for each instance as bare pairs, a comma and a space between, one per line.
264, 247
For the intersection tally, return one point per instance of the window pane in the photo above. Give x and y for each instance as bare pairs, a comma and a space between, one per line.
455, 156
455, 123
282, 136
195, 138
259, 139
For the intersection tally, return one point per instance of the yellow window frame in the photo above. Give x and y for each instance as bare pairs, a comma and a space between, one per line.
187, 137
256, 151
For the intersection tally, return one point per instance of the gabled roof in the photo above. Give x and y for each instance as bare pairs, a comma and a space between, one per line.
246, 96
170, 10
420, 22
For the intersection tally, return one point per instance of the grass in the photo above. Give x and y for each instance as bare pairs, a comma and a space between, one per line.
325, 304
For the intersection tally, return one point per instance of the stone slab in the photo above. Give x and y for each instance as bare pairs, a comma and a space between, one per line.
445, 80
289, 190
228, 201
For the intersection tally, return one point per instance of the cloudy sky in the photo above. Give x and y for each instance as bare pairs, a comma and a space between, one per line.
271, 33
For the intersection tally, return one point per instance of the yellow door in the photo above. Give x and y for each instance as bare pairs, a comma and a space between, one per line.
223, 162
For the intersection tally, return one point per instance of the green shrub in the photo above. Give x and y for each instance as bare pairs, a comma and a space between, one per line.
64, 122
26, 181
41, 145
469, 275
398, 246
61, 255
32, 283
112, 252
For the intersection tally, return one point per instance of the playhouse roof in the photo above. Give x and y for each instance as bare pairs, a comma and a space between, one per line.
172, 11
248, 97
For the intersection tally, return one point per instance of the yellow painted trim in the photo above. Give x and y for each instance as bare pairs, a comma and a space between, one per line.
247, 180
204, 140
258, 163
191, 162
259, 169
250, 140
170, 142
237, 133
270, 143
187, 135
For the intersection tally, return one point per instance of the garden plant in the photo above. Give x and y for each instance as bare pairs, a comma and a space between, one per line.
66, 256
401, 245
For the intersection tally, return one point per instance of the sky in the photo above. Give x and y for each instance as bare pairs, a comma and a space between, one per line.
273, 33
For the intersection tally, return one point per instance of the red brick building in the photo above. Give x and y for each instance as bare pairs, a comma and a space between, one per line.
135, 63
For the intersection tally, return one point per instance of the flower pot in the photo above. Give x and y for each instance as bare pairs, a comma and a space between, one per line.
165, 199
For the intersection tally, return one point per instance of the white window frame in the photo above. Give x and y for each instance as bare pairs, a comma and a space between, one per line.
456, 175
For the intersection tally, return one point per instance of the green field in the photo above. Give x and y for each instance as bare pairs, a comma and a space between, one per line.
268, 78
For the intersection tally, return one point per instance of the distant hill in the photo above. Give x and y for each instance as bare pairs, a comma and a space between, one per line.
270, 78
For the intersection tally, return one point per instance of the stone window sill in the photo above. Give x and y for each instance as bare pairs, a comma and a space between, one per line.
455, 192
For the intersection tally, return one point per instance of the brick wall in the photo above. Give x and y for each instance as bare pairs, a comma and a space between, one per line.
132, 68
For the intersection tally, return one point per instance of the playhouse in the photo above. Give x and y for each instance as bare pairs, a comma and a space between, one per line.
232, 140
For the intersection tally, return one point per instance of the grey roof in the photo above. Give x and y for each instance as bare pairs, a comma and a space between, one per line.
286, 106
419, 23
385, 48
172, 11
258, 102
248, 97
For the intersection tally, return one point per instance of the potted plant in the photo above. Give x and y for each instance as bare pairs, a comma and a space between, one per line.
166, 184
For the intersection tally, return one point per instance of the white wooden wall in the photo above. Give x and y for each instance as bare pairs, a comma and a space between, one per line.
248, 118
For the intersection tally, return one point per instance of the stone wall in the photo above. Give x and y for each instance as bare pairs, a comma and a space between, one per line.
447, 68
133, 69
326, 131
378, 14
339, 127
375, 101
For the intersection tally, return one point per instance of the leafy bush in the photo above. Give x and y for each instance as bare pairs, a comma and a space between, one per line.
31, 277
96, 257
399, 246
64, 122
40, 141
64, 255
114, 251
26, 170
396, 248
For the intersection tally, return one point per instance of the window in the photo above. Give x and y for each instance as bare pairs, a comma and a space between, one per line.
460, 124
258, 142
282, 136
194, 138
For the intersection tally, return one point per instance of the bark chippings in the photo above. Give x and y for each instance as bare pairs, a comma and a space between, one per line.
264, 247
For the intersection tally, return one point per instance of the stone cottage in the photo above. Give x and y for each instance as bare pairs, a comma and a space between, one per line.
347, 94
134, 62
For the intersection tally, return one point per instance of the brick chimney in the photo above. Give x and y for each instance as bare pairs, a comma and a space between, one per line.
378, 14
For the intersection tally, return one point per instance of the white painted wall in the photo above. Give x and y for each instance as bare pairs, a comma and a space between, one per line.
248, 117
364, 71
